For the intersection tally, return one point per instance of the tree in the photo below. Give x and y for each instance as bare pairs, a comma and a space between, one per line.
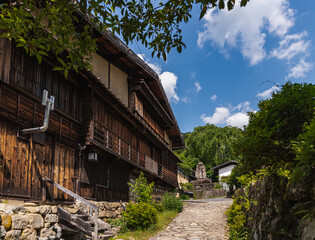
211, 145
66, 28
304, 148
269, 135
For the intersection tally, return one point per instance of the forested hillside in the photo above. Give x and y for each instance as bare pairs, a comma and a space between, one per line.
209, 144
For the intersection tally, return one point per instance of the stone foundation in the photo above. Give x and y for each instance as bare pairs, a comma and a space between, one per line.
106, 210
30, 221
204, 188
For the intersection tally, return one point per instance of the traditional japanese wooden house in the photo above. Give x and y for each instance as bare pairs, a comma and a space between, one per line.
107, 125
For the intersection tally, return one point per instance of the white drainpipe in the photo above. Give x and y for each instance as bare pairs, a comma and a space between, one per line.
49, 103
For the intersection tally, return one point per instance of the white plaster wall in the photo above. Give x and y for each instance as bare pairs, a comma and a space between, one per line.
226, 171
100, 68
119, 83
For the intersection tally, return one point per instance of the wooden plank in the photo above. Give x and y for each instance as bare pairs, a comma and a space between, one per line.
3, 129
37, 187
12, 161
30, 167
18, 168
67, 170
49, 164
62, 170
5, 59
56, 167
25, 159
72, 170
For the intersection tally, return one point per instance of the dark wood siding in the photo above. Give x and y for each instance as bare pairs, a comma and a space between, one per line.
25, 162
34, 78
28, 112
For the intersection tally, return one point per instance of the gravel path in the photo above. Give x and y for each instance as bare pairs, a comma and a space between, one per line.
202, 220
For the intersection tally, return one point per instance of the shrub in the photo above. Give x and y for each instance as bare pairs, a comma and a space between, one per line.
183, 197
236, 215
140, 216
217, 186
187, 186
142, 189
171, 202
115, 222
158, 206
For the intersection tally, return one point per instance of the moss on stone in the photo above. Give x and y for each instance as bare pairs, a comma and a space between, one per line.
6, 221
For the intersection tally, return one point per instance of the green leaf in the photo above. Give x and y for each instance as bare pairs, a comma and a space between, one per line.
221, 4
61, 61
230, 5
244, 2
39, 58
57, 69
66, 73
42, 53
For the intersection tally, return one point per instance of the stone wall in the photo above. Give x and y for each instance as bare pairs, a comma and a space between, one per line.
204, 188
106, 210
280, 210
29, 222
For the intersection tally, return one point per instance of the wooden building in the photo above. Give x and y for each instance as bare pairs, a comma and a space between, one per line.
107, 126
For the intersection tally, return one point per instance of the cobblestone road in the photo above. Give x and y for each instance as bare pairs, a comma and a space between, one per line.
199, 221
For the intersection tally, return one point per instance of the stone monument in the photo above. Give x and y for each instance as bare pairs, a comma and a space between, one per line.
200, 171
203, 187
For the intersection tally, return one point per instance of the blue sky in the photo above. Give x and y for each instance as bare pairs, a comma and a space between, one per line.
234, 59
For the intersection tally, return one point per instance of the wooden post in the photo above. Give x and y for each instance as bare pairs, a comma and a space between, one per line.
77, 186
96, 225
107, 138
129, 152
119, 146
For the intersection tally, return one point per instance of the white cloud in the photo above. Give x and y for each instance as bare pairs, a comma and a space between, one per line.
239, 120
155, 67
169, 81
244, 107
185, 99
141, 56
300, 69
291, 46
233, 116
198, 87
213, 97
267, 94
219, 117
246, 28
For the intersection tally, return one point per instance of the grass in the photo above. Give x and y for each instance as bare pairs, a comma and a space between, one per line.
163, 219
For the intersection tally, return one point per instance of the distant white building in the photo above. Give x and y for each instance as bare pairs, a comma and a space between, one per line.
224, 170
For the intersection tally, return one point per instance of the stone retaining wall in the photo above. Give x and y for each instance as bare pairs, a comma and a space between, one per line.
106, 210
30, 221
280, 210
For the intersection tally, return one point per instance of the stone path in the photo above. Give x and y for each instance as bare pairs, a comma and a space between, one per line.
200, 220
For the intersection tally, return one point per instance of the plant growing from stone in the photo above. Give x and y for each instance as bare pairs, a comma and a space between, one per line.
142, 189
